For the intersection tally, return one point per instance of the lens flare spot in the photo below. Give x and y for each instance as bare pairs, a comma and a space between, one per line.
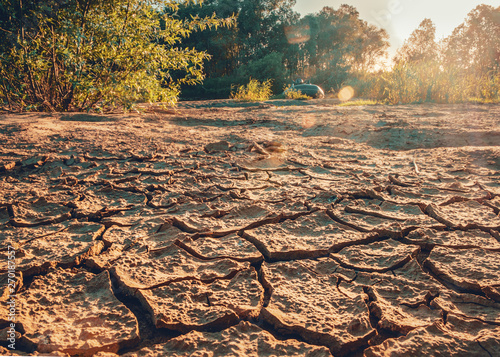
297, 34
308, 122
346, 93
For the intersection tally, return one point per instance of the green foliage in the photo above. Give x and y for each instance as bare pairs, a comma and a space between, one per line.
272, 42
254, 91
269, 67
83, 54
341, 41
296, 94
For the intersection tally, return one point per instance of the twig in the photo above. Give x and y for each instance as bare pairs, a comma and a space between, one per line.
416, 167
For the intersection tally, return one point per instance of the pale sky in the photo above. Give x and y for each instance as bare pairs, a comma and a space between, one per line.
401, 17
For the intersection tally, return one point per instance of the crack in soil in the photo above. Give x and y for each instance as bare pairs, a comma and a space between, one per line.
298, 184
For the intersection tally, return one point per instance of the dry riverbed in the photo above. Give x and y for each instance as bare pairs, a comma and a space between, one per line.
276, 228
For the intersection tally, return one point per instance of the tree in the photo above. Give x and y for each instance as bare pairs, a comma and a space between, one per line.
257, 39
82, 54
271, 41
421, 46
340, 43
474, 46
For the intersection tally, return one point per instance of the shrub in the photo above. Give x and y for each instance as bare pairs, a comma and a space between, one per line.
254, 91
295, 94
71, 54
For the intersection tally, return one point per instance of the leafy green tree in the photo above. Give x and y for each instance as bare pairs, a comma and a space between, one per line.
258, 38
83, 54
340, 43
465, 66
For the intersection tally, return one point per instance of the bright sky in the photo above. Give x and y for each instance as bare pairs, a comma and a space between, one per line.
401, 17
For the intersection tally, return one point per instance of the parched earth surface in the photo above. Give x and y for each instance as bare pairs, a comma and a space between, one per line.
271, 229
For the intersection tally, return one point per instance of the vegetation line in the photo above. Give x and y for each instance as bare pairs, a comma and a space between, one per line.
92, 55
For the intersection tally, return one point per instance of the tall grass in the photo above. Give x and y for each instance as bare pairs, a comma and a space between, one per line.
295, 94
428, 82
254, 91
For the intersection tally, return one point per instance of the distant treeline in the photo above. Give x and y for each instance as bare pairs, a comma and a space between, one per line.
62, 55
271, 41
335, 48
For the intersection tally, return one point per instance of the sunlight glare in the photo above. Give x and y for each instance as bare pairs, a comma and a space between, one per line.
308, 121
297, 34
346, 93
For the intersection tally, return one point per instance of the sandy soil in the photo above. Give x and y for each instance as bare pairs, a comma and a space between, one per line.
274, 228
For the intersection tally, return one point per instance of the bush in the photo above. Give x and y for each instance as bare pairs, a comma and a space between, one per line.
295, 94
71, 54
254, 91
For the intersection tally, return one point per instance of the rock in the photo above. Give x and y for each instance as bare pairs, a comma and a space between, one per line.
192, 305
376, 257
216, 147
305, 301
75, 313
245, 339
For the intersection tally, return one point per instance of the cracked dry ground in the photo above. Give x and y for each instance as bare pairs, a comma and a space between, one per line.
220, 229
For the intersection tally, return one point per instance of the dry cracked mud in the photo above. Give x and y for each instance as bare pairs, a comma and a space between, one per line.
259, 229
